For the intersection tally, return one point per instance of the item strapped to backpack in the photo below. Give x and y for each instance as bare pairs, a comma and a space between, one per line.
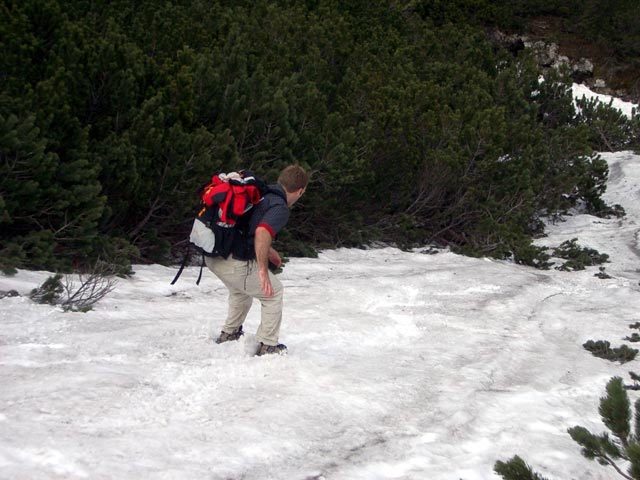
223, 202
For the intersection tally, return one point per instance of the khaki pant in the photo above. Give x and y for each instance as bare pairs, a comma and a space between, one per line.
241, 279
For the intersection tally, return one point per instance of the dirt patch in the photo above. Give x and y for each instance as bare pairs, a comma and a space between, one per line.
621, 78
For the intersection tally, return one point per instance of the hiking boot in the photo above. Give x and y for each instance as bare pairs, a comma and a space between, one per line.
263, 349
228, 337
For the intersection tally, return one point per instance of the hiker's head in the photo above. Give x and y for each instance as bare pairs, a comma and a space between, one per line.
294, 179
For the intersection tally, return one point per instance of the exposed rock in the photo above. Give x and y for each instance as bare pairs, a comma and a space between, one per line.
582, 70
9, 293
547, 54
513, 43
549, 57
616, 79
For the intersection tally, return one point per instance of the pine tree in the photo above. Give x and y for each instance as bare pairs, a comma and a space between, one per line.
615, 410
415, 127
516, 469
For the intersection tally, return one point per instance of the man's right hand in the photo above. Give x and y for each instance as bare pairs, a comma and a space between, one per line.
265, 283
274, 258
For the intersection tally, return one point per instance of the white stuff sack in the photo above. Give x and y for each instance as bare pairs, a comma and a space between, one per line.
202, 236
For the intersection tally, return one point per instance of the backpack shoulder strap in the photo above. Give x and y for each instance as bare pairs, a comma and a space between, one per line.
279, 191
184, 262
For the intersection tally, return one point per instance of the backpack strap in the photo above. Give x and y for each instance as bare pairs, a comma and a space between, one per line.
276, 191
200, 274
182, 265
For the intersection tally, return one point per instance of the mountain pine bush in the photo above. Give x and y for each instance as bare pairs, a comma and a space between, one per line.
619, 448
624, 443
416, 128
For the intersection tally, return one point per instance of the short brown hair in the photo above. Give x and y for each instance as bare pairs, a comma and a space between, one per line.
293, 178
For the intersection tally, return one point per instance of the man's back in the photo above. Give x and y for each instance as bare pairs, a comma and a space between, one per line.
271, 213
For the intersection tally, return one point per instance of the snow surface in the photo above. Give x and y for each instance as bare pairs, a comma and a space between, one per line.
401, 365
580, 90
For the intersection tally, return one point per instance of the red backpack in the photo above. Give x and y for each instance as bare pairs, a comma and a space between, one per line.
223, 202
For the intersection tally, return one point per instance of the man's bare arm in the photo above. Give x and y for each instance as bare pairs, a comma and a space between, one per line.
263, 246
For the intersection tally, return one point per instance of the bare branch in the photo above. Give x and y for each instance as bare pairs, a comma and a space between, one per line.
92, 287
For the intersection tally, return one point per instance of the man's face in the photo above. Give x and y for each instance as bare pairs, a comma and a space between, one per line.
296, 195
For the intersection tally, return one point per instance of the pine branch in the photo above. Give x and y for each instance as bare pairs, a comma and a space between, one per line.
615, 410
615, 467
516, 469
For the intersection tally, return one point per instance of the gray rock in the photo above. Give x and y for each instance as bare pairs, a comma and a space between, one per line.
9, 293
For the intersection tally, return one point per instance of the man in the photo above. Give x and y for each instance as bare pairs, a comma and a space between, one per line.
246, 273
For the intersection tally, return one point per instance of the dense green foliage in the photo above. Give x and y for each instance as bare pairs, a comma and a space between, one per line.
516, 469
416, 129
602, 349
578, 258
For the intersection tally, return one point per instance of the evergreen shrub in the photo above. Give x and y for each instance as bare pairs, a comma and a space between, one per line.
516, 469
49, 292
602, 349
619, 448
416, 129
624, 444
578, 258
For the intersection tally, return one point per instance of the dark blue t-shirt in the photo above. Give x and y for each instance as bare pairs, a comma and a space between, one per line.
271, 213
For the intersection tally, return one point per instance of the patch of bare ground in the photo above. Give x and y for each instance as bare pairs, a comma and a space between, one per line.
622, 78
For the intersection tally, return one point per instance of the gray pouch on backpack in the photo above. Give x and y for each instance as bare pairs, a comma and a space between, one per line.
202, 236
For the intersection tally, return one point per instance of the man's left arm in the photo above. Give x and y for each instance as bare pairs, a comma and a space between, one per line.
263, 248
270, 224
